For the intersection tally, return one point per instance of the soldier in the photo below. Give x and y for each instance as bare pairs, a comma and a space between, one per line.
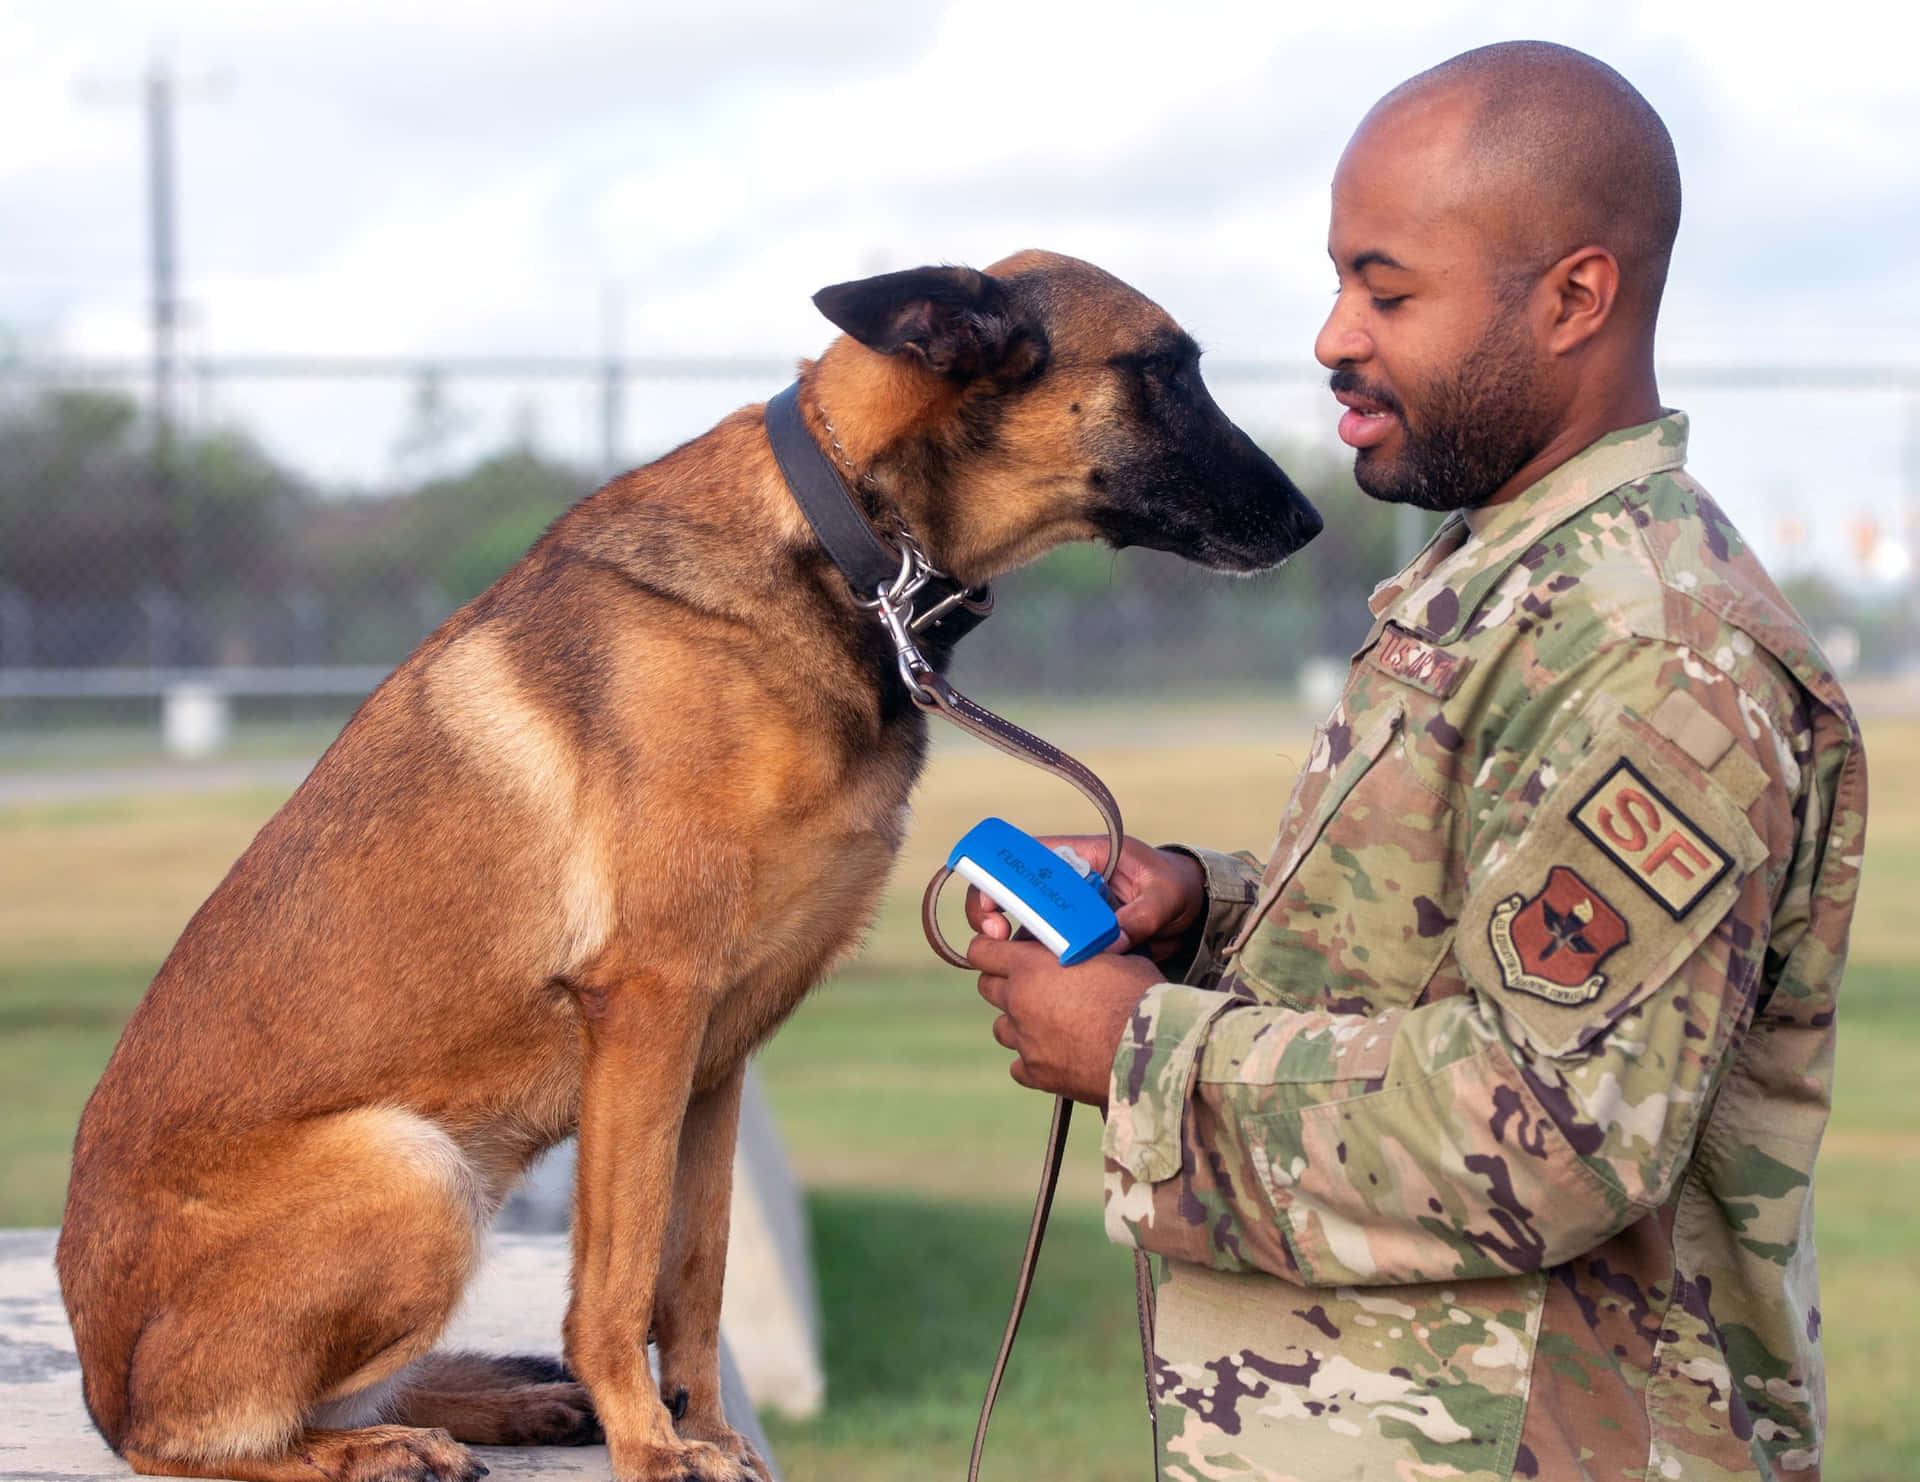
1476, 1129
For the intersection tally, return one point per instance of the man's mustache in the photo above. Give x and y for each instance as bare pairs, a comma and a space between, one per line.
1348, 380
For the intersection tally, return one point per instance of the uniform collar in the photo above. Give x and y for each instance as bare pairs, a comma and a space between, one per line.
1438, 592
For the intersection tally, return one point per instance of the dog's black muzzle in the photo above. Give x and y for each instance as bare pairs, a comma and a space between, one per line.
1217, 499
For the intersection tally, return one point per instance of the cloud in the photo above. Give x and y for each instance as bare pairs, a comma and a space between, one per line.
385, 175
432, 178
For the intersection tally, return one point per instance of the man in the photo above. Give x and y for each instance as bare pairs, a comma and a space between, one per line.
1478, 1130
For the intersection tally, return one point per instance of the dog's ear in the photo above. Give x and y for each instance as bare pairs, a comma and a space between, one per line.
958, 322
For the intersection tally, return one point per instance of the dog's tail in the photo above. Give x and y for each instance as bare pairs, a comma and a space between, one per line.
511, 1400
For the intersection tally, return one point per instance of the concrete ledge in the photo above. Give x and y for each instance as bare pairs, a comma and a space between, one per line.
515, 1305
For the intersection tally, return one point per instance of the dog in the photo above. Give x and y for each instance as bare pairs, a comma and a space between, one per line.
562, 871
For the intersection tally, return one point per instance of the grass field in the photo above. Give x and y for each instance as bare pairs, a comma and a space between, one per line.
918, 1153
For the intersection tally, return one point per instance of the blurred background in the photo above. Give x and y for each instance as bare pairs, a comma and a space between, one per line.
313, 316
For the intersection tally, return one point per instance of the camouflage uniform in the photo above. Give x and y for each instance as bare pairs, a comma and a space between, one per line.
1494, 1157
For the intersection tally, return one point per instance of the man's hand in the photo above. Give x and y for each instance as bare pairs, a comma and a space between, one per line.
1158, 895
1063, 1024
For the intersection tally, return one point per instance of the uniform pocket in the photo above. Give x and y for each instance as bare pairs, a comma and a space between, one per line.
1257, 1378
1358, 912
1335, 765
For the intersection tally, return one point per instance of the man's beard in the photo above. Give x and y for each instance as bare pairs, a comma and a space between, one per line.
1478, 427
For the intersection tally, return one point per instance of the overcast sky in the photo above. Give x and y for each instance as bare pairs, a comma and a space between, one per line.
373, 176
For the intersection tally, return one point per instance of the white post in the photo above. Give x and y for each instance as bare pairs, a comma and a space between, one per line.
195, 721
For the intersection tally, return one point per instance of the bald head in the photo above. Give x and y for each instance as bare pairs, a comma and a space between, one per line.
1501, 227
1555, 151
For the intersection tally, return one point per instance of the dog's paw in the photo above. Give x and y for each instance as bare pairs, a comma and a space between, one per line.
551, 1415
690, 1461
749, 1459
730, 1443
390, 1453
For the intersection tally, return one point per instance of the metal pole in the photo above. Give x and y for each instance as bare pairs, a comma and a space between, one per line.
16, 628
1910, 501
159, 96
1410, 531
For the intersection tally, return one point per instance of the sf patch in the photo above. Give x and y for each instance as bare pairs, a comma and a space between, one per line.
1661, 849
1552, 943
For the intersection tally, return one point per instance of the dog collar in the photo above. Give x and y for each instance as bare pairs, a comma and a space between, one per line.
912, 596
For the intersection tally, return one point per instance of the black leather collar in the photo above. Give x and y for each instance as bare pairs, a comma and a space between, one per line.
868, 563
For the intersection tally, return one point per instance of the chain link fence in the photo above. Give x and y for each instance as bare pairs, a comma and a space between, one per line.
298, 525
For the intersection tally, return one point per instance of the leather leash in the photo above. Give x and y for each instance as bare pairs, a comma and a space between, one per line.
1002, 734
890, 583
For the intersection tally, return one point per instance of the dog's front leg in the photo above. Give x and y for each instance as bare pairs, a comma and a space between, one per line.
641, 1043
686, 1320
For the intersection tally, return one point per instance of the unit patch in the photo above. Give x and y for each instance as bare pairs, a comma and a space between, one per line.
1659, 847
1550, 944
1551, 931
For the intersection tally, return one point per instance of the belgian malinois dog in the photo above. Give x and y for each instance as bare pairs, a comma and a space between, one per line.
562, 872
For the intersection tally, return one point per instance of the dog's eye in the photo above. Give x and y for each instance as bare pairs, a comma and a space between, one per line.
1163, 368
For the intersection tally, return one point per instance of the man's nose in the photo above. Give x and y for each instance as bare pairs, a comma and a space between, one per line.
1341, 339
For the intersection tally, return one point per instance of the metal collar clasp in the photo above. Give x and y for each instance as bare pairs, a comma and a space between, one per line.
893, 603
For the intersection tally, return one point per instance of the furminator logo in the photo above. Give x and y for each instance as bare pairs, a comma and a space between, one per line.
1037, 879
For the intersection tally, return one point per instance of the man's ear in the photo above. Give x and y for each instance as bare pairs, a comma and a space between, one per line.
1586, 285
958, 322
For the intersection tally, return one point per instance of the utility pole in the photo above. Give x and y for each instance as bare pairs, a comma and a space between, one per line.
158, 92
161, 257
165, 309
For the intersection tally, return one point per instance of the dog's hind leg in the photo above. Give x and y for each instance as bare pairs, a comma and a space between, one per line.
377, 1453
686, 1315
488, 1401
313, 1268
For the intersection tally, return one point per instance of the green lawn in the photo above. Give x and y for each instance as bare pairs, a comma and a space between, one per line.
917, 1151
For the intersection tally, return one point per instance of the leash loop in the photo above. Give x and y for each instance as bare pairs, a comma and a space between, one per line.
1004, 735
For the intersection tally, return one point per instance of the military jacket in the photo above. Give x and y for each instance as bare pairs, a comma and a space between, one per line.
1479, 1141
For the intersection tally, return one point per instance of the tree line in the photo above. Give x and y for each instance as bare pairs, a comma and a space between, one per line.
208, 551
